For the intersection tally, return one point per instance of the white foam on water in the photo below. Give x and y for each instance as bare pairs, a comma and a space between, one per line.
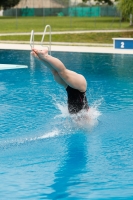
44, 136
51, 134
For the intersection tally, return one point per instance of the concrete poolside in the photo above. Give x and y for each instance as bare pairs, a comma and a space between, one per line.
96, 48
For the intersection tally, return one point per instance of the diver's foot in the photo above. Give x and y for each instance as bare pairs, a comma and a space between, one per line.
41, 54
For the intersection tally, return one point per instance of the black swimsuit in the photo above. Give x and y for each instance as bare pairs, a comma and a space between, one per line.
76, 100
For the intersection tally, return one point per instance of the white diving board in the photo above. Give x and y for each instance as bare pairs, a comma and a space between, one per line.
11, 66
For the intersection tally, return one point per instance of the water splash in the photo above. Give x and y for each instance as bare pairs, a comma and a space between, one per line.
64, 123
63, 109
82, 119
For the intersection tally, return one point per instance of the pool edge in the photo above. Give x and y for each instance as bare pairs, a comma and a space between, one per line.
88, 49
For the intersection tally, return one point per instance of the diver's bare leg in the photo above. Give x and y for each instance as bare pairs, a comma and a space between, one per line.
71, 78
57, 77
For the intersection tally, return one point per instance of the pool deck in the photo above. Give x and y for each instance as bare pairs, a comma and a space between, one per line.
70, 47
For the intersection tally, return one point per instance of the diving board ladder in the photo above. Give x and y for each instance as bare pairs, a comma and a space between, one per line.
43, 36
44, 33
32, 39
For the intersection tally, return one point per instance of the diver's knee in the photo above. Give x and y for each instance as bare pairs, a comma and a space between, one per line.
63, 73
55, 73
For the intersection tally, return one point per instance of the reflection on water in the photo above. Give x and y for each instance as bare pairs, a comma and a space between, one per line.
70, 172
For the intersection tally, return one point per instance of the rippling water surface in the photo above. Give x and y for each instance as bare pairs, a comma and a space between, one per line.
44, 154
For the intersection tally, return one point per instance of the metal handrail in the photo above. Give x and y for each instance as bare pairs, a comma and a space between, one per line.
44, 33
32, 39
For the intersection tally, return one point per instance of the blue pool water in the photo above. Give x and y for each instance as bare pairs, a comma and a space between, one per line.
43, 154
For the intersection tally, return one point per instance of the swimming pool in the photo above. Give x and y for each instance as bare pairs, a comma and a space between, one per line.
43, 155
